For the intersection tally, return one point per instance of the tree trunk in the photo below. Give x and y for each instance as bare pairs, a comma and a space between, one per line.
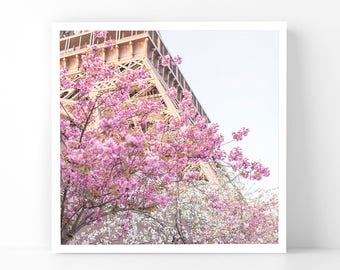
65, 237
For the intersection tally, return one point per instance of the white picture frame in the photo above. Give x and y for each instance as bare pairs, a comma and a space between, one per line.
281, 29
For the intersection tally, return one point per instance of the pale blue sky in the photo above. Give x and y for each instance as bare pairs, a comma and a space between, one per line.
235, 76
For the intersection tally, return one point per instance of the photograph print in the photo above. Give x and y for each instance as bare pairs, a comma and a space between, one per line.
169, 137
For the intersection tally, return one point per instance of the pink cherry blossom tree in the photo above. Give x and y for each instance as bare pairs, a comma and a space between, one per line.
129, 175
200, 212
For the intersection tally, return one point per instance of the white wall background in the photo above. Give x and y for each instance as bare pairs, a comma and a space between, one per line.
313, 105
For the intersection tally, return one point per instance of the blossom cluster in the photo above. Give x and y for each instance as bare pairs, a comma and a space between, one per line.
253, 222
238, 135
167, 60
252, 170
109, 43
100, 34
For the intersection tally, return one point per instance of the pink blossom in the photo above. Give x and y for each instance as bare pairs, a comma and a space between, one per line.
100, 34
172, 92
191, 176
142, 85
238, 136
235, 154
177, 60
166, 60
109, 43
251, 170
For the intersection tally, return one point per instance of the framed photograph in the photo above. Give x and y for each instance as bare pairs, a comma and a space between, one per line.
169, 137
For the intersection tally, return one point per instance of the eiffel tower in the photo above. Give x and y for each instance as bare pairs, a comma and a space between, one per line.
133, 50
